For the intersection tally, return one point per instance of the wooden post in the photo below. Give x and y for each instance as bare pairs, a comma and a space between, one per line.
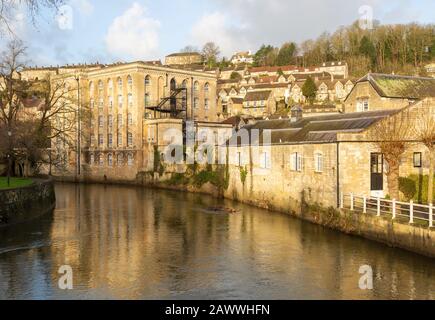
411, 212
394, 209
431, 215
379, 207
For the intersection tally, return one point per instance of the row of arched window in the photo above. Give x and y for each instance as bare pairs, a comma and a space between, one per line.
109, 160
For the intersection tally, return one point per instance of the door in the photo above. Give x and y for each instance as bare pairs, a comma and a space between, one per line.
377, 171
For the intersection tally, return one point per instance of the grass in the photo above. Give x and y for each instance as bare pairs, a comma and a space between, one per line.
14, 183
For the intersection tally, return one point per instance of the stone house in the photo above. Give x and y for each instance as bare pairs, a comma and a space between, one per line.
184, 58
384, 91
259, 103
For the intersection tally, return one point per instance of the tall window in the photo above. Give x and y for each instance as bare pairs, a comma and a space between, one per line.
130, 139
130, 83
120, 159
100, 87
120, 100
196, 86
92, 159
101, 160
418, 159
147, 99
100, 139
207, 88
196, 103
119, 120
147, 81
318, 162
100, 121
92, 103
119, 139
91, 88
92, 139
130, 159
110, 159
120, 84
110, 140
296, 162
110, 121
130, 100
110, 86
206, 104
130, 119
110, 103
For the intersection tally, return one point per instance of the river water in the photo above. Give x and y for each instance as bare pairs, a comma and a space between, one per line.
135, 243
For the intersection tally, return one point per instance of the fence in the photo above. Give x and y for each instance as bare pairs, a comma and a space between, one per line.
410, 211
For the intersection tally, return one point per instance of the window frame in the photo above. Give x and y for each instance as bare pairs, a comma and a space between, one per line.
414, 163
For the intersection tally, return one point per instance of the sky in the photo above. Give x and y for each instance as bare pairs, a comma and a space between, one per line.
112, 30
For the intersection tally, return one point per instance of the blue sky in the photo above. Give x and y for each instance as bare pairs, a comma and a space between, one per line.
113, 30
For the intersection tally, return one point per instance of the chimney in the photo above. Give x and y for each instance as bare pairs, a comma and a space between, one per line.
296, 113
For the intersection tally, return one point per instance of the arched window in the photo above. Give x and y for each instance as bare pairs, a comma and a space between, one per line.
110, 99
130, 83
206, 104
91, 88
110, 86
130, 119
130, 159
100, 86
147, 81
196, 86
147, 99
196, 103
184, 94
119, 84
101, 160
120, 159
110, 160
119, 139
92, 103
120, 100
207, 88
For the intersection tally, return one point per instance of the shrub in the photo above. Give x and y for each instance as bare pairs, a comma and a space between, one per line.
408, 187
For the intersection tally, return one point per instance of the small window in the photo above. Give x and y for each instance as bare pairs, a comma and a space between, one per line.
265, 160
147, 81
100, 139
100, 121
318, 162
206, 88
418, 159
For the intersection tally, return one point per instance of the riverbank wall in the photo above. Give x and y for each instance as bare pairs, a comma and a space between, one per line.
240, 185
26, 203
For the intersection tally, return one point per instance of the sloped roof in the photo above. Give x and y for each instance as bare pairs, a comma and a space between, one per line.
319, 128
406, 87
258, 95
183, 54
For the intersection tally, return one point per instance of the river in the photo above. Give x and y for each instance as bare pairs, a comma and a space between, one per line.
127, 242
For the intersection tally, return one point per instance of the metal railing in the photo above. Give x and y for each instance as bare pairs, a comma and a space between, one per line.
410, 211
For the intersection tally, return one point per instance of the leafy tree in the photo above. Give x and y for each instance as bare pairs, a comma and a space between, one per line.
235, 76
367, 49
309, 90
286, 54
211, 52
265, 56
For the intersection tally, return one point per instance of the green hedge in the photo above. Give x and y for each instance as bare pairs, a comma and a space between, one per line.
414, 187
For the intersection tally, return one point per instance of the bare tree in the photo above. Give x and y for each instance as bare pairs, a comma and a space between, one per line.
9, 8
425, 132
391, 136
211, 52
189, 49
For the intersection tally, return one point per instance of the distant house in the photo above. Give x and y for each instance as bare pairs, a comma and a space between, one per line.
244, 57
259, 103
385, 91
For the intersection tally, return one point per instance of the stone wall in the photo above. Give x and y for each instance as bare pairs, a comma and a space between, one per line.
17, 205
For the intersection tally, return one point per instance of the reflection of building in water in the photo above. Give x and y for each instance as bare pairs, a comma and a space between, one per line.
135, 243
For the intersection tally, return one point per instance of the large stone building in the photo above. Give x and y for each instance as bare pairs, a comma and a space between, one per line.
129, 107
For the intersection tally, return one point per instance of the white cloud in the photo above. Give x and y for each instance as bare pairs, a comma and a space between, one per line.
84, 7
216, 27
134, 34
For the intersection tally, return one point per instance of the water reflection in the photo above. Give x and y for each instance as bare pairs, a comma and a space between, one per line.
135, 243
